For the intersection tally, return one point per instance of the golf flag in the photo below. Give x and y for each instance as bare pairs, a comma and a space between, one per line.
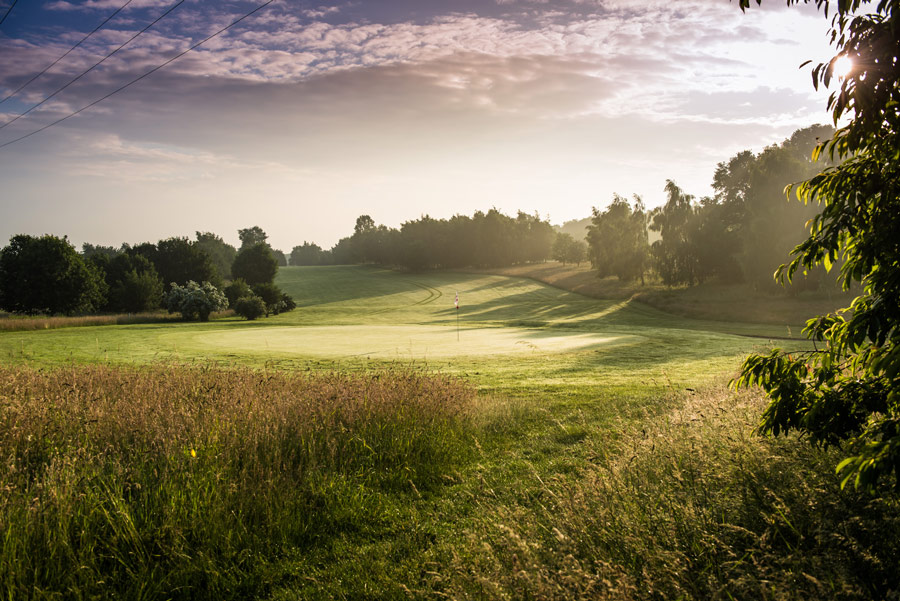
456, 302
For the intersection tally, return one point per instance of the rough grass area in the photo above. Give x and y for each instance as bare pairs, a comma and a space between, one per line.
23, 323
177, 482
708, 301
689, 505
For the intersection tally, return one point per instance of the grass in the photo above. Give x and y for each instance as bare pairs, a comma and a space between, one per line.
570, 448
711, 301
689, 505
189, 482
24, 323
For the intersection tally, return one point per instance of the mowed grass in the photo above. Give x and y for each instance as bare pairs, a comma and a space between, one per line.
609, 465
514, 334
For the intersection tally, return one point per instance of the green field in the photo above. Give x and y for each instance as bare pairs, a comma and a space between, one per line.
600, 458
512, 332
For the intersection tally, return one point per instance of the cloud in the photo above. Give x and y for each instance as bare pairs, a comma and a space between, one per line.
89, 5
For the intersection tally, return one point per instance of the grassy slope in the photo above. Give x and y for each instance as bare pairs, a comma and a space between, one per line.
550, 421
644, 348
726, 303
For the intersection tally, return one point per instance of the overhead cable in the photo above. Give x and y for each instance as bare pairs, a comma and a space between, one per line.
8, 10
137, 79
81, 41
91, 68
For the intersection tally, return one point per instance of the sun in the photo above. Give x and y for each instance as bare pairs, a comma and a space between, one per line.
842, 67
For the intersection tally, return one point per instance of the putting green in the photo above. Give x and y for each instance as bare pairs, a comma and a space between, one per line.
404, 341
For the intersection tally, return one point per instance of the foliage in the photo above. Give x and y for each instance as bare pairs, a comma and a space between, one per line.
617, 238
89, 250
675, 253
847, 391
220, 253
287, 302
133, 283
238, 288
177, 261
308, 254
567, 249
756, 226
249, 307
195, 301
274, 298
485, 239
280, 257
47, 275
252, 236
255, 264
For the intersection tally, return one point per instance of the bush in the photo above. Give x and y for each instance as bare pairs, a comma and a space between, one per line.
276, 301
195, 301
287, 303
236, 290
250, 307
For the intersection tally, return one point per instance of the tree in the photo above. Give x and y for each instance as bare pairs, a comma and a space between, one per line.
47, 275
178, 261
567, 249
220, 253
255, 264
307, 254
675, 254
846, 392
89, 250
252, 236
280, 257
195, 301
133, 283
617, 240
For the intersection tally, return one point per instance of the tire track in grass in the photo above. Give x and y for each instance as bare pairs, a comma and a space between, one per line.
433, 293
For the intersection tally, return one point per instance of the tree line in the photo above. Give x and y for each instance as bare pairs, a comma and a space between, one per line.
740, 234
486, 239
46, 275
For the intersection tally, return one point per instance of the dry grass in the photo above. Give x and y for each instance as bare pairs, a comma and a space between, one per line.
177, 482
11, 323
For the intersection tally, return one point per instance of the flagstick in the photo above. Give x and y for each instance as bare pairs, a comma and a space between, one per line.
457, 323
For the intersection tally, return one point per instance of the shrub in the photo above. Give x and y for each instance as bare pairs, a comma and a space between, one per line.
250, 307
236, 290
276, 301
195, 301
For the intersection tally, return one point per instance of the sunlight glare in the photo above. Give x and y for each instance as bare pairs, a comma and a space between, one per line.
842, 66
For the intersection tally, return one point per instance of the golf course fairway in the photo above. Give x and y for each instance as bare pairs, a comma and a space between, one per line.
510, 335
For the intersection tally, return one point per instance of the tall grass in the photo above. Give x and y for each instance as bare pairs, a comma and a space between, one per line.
186, 483
691, 506
10, 323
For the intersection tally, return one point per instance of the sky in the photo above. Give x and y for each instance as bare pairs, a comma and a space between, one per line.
305, 115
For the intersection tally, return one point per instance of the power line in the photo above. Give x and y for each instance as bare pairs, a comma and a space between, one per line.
91, 68
51, 65
137, 79
8, 10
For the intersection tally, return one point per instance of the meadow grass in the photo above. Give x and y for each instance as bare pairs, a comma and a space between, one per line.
618, 468
179, 482
687, 505
24, 323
